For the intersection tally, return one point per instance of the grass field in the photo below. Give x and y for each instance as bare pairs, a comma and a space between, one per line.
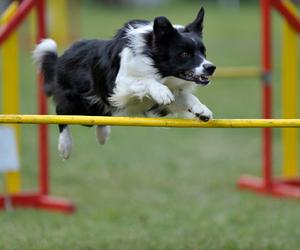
152, 188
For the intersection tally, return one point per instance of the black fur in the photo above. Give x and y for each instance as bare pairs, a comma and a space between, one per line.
87, 68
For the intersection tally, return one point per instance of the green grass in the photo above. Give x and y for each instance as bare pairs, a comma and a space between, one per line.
152, 188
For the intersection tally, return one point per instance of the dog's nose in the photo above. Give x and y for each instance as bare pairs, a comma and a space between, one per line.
209, 68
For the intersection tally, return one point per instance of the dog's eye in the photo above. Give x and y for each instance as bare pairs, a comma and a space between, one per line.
185, 54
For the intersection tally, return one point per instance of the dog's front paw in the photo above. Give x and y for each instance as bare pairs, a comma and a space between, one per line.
202, 112
161, 94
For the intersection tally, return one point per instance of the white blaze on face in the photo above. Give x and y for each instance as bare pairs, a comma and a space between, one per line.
200, 70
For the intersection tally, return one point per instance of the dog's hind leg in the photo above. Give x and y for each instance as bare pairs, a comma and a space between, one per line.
102, 134
65, 142
66, 106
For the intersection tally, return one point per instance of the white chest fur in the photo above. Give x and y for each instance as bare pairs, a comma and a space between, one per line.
136, 82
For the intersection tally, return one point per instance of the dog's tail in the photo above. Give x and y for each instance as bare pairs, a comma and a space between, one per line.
45, 56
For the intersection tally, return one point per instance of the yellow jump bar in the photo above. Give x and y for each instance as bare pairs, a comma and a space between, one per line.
238, 72
149, 122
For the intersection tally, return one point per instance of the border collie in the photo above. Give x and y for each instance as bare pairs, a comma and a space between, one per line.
149, 68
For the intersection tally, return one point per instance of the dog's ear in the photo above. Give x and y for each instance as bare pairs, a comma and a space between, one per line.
197, 24
162, 28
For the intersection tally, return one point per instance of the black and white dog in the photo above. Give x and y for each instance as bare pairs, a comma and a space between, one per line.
148, 68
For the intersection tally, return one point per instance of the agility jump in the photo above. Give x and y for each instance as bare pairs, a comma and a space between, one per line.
287, 186
13, 17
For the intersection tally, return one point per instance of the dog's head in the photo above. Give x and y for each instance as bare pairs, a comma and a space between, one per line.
180, 52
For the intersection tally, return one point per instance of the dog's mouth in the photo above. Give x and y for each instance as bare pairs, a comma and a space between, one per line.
202, 79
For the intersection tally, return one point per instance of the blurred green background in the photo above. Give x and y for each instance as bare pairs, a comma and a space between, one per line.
153, 188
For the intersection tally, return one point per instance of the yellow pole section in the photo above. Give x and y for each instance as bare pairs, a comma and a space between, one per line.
10, 85
289, 95
149, 122
237, 72
58, 20
32, 26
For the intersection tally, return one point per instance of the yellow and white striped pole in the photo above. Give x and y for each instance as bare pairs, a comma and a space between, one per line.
290, 93
10, 94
